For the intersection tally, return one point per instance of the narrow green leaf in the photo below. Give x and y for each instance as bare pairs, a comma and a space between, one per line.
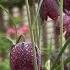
60, 53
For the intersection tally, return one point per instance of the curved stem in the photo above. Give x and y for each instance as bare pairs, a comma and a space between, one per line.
32, 40
20, 38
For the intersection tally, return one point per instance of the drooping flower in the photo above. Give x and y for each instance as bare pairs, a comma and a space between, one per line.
66, 21
22, 57
49, 8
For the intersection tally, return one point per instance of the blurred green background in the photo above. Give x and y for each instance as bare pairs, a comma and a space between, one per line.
7, 32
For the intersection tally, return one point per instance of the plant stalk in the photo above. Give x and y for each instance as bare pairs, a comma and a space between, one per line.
61, 32
29, 19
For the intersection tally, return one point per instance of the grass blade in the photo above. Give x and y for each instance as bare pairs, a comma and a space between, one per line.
60, 53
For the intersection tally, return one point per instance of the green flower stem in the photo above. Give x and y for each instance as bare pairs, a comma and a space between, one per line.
61, 32
20, 38
29, 19
36, 27
35, 22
